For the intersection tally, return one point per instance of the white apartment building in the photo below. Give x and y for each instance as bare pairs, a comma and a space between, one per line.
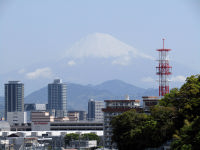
16, 117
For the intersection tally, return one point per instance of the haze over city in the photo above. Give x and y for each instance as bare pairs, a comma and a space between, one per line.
89, 42
104, 75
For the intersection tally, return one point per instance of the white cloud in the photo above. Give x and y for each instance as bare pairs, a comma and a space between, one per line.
148, 79
146, 56
21, 71
178, 78
41, 72
71, 63
173, 79
124, 61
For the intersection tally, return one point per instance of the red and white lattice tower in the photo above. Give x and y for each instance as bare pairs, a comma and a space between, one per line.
163, 70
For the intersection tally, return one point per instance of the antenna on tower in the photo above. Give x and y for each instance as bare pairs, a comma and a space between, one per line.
163, 43
163, 70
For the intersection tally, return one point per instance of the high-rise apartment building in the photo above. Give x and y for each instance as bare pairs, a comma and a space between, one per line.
57, 98
95, 110
14, 97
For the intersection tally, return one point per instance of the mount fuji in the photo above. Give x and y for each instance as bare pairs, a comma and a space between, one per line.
96, 58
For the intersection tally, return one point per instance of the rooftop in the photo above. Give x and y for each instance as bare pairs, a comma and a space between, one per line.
121, 100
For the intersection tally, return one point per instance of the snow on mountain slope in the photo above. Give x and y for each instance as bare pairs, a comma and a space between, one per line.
101, 45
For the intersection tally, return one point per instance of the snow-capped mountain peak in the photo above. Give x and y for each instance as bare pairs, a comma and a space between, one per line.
102, 45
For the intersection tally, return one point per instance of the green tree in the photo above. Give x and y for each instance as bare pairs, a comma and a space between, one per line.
87, 136
91, 136
188, 138
132, 130
170, 99
186, 100
137, 131
165, 117
70, 137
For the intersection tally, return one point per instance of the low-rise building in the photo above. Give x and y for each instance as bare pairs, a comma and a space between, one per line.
114, 108
61, 119
40, 126
83, 144
21, 127
76, 125
82, 114
16, 117
41, 116
60, 126
148, 102
4, 126
73, 116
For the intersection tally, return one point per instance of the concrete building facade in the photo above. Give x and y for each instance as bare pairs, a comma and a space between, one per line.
73, 116
76, 125
82, 114
57, 98
14, 97
4, 126
16, 117
41, 116
28, 108
61, 126
148, 102
95, 110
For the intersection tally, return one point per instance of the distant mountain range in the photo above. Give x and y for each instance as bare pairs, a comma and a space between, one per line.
78, 95
93, 59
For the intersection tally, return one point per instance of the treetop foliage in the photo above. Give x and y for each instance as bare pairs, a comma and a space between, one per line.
178, 114
132, 130
75, 136
186, 100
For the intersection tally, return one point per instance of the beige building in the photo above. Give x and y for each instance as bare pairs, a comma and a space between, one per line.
61, 119
73, 116
41, 116
41, 121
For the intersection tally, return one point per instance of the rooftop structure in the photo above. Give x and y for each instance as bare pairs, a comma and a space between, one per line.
148, 102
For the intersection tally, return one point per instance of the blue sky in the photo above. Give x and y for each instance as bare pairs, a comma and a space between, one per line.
38, 31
